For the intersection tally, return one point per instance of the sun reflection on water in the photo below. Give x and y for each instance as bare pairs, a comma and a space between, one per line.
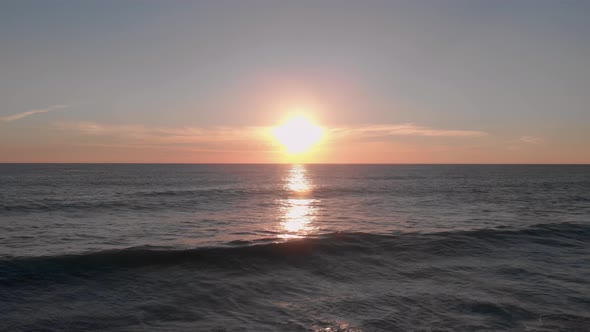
297, 213
297, 180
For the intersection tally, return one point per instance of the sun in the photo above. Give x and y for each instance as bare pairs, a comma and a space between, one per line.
298, 134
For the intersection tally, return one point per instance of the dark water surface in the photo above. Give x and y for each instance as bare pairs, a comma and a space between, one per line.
294, 248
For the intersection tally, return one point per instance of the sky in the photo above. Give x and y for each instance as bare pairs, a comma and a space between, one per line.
496, 81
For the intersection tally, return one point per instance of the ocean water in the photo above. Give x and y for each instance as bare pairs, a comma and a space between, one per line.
294, 247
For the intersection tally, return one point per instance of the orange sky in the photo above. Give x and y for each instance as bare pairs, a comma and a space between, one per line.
406, 143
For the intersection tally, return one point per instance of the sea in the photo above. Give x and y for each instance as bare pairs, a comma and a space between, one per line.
195, 247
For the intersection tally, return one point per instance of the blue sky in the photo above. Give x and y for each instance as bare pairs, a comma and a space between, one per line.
518, 71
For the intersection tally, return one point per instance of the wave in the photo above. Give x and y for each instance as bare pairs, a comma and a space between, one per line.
129, 202
269, 253
490, 279
188, 199
140, 200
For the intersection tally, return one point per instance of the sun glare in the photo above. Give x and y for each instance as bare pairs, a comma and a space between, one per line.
298, 134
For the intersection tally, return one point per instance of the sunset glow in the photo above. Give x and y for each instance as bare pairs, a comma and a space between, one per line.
297, 134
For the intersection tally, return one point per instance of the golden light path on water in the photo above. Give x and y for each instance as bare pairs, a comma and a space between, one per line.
297, 212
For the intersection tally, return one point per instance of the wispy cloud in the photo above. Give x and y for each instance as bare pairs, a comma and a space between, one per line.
235, 138
215, 138
524, 142
405, 129
18, 116
173, 134
531, 139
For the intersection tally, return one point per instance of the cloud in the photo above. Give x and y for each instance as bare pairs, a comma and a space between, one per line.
531, 140
18, 116
406, 129
173, 134
246, 139
235, 138
212, 139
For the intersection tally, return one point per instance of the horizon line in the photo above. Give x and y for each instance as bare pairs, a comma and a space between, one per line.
281, 163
